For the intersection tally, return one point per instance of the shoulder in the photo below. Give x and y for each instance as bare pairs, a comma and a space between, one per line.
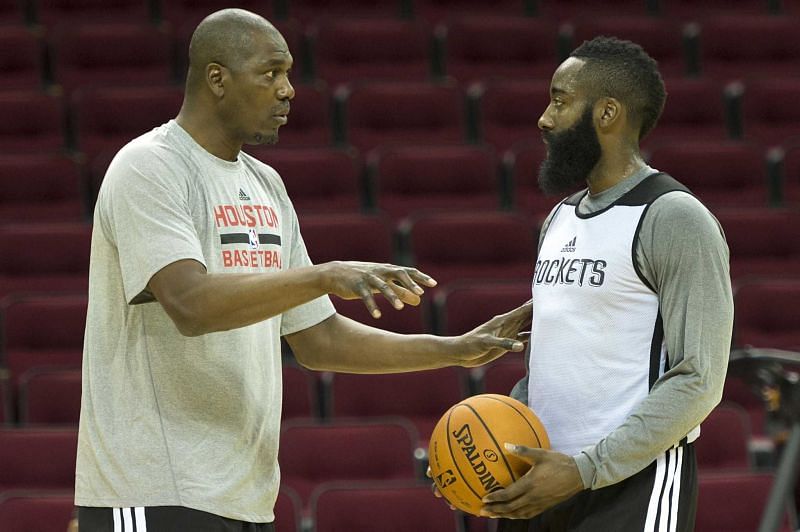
151, 159
681, 210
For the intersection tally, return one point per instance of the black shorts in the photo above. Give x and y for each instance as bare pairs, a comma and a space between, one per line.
161, 519
663, 496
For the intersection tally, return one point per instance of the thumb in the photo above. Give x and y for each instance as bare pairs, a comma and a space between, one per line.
532, 455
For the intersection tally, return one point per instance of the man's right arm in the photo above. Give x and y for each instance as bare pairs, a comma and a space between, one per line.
200, 303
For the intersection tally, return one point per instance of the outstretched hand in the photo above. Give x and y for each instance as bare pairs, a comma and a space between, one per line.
503, 333
400, 285
552, 478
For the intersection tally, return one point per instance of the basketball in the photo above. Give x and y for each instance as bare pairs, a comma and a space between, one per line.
466, 452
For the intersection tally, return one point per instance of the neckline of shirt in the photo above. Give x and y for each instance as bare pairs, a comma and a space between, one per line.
195, 147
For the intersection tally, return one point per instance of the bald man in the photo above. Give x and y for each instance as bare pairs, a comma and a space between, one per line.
197, 270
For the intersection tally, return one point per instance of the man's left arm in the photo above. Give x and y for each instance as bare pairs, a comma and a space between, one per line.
683, 255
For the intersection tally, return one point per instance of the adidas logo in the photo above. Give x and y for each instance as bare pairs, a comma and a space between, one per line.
243, 195
569, 247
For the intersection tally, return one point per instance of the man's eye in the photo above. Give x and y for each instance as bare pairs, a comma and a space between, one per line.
271, 74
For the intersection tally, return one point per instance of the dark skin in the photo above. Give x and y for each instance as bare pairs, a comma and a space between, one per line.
554, 476
244, 98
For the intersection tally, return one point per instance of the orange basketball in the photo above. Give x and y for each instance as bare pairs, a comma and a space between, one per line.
466, 453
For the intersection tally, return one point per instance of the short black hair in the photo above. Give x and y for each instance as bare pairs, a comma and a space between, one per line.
623, 70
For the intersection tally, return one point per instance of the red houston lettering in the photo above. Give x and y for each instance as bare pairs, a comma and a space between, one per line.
248, 213
219, 216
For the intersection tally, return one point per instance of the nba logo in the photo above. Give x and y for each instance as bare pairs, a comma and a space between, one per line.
254, 242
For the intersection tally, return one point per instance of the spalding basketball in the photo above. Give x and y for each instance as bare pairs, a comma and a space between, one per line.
467, 454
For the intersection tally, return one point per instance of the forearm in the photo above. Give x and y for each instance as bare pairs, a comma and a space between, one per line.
201, 303
343, 345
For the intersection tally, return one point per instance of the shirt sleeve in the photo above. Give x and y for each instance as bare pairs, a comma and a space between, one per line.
144, 211
315, 311
683, 254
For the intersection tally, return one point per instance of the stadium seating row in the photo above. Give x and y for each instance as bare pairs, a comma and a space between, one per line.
498, 113
330, 470
43, 339
465, 48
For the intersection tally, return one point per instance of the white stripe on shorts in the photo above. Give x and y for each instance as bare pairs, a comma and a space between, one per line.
665, 496
117, 514
127, 518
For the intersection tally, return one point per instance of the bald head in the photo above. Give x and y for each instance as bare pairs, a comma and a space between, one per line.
226, 37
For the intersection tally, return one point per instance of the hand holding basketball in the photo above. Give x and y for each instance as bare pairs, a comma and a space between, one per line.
553, 477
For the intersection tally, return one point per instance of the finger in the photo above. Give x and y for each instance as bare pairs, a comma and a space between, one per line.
366, 296
405, 295
386, 289
510, 493
507, 344
409, 283
420, 277
531, 455
524, 336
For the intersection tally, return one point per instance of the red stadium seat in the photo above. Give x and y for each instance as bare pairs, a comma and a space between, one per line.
733, 502
309, 11
568, 10
439, 10
288, 511
52, 13
36, 510
358, 49
312, 453
501, 376
6, 407
387, 506
13, 12
105, 119
33, 122
521, 170
310, 118
331, 237
769, 110
767, 314
720, 174
50, 396
193, 11
480, 47
420, 396
762, 242
724, 438
694, 111
460, 307
319, 180
42, 257
21, 58
40, 331
739, 393
403, 113
299, 393
52, 191
480, 245
509, 110
40, 459
413, 178
791, 173
749, 46
691, 10
115, 53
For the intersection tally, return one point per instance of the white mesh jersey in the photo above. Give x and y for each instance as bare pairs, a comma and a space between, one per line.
597, 341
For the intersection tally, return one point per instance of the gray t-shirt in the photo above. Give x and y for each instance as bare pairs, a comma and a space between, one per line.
168, 419
682, 253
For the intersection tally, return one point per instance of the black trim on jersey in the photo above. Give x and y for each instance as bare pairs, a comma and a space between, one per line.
244, 238
655, 351
645, 192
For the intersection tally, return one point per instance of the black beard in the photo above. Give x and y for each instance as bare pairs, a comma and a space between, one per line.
571, 155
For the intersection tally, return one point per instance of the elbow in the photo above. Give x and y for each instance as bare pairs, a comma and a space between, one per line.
311, 362
188, 320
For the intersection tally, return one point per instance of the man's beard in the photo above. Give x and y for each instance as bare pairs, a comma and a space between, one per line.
571, 155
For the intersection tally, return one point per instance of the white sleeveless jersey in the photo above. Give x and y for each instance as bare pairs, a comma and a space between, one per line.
597, 342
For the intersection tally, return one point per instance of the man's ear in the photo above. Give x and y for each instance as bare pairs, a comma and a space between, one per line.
608, 112
216, 75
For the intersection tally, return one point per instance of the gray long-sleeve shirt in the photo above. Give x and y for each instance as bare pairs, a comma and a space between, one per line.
682, 253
